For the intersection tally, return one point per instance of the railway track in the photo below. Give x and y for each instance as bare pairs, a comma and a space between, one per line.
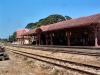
73, 66
62, 51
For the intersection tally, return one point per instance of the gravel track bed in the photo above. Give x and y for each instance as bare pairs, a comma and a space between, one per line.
15, 66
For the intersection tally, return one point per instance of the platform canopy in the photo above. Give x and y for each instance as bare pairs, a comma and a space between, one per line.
30, 32
78, 22
36, 30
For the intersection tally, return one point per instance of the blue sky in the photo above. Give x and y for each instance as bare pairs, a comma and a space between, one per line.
16, 14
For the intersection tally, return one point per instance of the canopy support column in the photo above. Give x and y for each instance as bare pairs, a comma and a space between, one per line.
68, 37
51, 38
36, 39
22, 41
46, 39
39, 39
96, 35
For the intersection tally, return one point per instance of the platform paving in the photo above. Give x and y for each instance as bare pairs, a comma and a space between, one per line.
90, 49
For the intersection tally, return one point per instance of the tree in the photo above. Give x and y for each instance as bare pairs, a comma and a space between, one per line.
30, 25
9, 39
48, 20
53, 19
68, 18
35, 25
12, 37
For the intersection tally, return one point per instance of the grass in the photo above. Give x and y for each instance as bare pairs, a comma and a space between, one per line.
55, 72
25, 58
44, 66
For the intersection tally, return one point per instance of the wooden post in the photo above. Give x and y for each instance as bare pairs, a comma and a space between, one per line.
29, 38
39, 39
51, 38
36, 39
23, 40
20, 41
46, 39
95, 35
68, 37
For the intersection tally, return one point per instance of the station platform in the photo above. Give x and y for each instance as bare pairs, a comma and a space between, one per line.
90, 49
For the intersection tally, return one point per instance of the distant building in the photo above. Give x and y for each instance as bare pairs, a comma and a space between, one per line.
19, 38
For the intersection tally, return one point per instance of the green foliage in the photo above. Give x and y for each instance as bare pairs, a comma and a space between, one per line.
68, 18
3, 40
30, 25
51, 19
48, 20
54, 19
35, 25
12, 37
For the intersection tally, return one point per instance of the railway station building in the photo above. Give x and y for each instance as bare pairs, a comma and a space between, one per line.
22, 39
83, 31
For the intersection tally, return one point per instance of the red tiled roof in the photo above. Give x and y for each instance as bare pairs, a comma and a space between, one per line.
33, 31
44, 28
20, 32
24, 31
83, 21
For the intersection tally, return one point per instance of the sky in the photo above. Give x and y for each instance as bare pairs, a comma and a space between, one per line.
16, 14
